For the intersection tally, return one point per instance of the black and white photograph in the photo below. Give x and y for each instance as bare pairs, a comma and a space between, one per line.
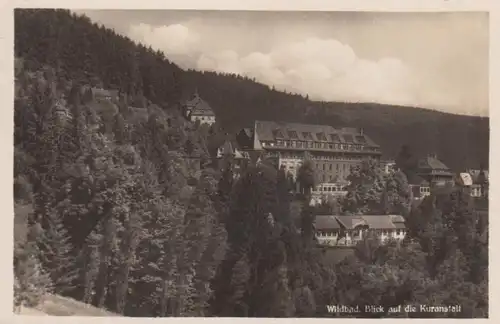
258, 164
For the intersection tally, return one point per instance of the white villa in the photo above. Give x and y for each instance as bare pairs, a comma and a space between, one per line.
349, 230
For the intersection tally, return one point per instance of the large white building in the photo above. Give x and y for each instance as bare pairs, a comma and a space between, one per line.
349, 230
333, 151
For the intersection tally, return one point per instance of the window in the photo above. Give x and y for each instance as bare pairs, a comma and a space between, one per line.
348, 138
277, 133
331, 166
292, 134
307, 136
321, 136
360, 139
335, 138
324, 167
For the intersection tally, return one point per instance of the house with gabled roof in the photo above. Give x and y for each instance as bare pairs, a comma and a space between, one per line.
434, 171
348, 230
197, 109
229, 152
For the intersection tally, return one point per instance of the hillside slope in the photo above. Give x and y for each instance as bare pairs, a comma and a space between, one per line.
92, 52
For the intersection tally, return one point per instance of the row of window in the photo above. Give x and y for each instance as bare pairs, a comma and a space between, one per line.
291, 156
320, 136
318, 145
324, 166
355, 233
331, 188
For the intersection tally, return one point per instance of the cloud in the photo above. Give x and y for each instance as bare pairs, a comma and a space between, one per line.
324, 69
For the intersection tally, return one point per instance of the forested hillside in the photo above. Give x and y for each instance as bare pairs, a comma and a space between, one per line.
119, 205
85, 51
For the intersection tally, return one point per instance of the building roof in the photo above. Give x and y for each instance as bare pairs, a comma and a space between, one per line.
198, 107
431, 162
270, 131
230, 147
352, 221
397, 218
326, 222
379, 221
417, 181
99, 92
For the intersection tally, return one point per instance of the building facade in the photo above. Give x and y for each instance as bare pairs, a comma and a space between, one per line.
346, 231
333, 151
388, 166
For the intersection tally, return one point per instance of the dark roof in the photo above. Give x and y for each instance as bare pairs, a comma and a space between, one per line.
417, 181
198, 106
230, 147
351, 221
432, 163
270, 130
326, 222
379, 221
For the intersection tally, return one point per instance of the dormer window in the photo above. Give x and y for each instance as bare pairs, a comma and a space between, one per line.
321, 136
293, 135
360, 139
307, 136
277, 133
348, 138
335, 138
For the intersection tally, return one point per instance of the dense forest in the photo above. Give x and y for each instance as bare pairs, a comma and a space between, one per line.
121, 205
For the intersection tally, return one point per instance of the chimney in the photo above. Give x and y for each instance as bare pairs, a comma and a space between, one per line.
361, 131
432, 155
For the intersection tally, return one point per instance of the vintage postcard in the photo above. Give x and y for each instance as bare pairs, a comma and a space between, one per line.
251, 163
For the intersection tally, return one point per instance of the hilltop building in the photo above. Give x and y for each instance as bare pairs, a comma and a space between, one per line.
332, 150
347, 231
197, 109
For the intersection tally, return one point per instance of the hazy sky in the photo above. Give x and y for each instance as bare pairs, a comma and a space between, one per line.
432, 60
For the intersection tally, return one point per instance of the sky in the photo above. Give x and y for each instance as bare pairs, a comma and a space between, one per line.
430, 60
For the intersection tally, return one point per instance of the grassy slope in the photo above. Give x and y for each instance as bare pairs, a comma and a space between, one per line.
52, 304
55, 305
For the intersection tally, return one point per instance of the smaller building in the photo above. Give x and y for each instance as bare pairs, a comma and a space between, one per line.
419, 188
229, 152
197, 109
434, 171
477, 181
389, 166
345, 231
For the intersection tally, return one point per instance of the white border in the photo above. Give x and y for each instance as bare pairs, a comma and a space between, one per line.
6, 115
